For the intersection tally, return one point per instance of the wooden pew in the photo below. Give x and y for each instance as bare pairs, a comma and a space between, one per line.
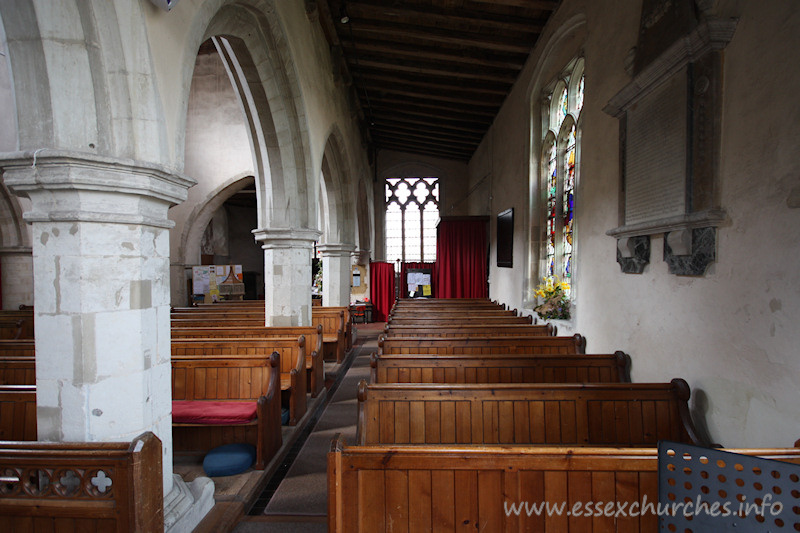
454, 488
18, 347
482, 345
618, 414
459, 320
18, 412
497, 330
314, 367
16, 324
454, 313
17, 370
229, 378
292, 353
198, 322
348, 321
422, 368
87, 486
333, 334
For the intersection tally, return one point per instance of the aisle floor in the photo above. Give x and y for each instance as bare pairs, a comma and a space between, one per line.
298, 502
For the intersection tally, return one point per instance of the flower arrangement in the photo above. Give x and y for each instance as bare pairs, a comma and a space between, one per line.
556, 301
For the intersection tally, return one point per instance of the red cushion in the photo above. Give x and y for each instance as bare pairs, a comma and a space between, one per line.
209, 412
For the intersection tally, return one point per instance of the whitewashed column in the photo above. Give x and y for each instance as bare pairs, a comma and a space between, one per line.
101, 294
287, 274
336, 273
16, 263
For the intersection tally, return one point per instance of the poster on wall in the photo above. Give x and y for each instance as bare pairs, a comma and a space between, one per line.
203, 277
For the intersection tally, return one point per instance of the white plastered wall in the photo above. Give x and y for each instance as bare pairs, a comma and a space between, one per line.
731, 333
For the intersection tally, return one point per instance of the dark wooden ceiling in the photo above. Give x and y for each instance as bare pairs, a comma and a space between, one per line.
429, 76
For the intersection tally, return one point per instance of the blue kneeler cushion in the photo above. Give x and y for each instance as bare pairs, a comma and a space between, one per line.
229, 460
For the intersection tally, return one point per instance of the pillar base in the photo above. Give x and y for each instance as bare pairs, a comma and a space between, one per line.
187, 504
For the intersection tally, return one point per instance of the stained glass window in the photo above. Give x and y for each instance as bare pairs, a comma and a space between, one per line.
568, 206
552, 216
412, 210
561, 107
560, 169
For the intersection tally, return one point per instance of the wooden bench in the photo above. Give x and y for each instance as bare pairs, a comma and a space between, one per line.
18, 347
198, 322
422, 368
18, 412
16, 324
333, 331
497, 330
292, 353
314, 367
235, 378
482, 345
453, 313
452, 488
17, 370
348, 322
93, 486
618, 414
459, 320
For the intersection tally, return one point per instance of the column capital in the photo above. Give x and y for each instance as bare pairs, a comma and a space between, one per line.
273, 238
71, 186
336, 249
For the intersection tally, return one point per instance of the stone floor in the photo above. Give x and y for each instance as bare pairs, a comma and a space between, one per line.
291, 494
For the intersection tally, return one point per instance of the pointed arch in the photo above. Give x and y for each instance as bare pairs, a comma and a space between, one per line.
340, 208
254, 49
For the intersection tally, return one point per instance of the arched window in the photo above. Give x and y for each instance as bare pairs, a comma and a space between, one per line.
412, 211
562, 105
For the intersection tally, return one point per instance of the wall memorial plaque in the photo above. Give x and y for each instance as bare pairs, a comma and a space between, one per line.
669, 129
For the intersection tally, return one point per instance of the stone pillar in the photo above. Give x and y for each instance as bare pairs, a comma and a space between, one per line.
336, 272
16, 264
101, 294
287, 274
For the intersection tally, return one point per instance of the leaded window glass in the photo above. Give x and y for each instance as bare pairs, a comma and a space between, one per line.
562, 105
552, 214
412, 211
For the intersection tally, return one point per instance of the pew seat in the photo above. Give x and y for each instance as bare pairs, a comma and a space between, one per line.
220, 400
292, 352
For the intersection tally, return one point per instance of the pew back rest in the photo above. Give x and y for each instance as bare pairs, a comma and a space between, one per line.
17, 370
482, 345
499, 330
430, 488
222, 377
95, 486
620, 414
313, 335
421, 368
462, 320
197, 322
332, 323
18, 347
18, 412
290, 349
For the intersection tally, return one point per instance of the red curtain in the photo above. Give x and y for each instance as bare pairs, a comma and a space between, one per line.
381, 289
404, 279
461, 259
